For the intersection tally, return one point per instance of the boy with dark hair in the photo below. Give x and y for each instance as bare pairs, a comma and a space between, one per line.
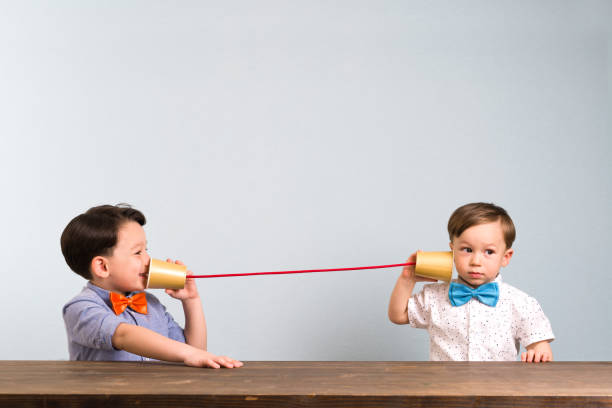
113, 318
477, 316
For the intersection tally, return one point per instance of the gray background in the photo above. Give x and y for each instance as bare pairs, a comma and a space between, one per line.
271, 135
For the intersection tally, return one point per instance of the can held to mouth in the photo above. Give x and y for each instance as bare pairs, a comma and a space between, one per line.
435, 265
166, 275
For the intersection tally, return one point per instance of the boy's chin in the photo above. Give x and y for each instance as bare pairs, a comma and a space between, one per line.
475, 281
142, 284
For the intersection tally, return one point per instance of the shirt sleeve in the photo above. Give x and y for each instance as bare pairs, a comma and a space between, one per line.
90, 324
532, 325
418, 310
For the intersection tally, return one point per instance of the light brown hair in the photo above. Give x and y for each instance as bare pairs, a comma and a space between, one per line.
472, 214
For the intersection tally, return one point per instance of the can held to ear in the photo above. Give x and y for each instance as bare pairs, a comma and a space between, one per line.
166, 275
435, 265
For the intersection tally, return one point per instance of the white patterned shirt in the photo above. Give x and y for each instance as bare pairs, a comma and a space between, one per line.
475, 331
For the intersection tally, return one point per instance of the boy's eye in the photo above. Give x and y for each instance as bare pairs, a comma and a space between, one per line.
489, 252
468, 250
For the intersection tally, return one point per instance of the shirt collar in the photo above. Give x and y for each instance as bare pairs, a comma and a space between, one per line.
498, 279
103, 293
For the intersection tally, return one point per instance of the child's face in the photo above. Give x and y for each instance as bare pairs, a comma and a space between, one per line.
127, 267
480, 251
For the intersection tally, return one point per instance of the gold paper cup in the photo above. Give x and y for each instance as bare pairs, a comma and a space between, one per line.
435, 265
166, 275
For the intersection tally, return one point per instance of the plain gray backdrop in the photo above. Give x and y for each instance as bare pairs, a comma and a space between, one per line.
270, 135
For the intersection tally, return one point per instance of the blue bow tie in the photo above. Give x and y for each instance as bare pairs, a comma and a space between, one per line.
460, 294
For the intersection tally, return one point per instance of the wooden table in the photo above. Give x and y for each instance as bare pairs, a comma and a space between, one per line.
306, 384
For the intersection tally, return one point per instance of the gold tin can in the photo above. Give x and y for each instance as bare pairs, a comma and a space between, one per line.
166, 275
435, 265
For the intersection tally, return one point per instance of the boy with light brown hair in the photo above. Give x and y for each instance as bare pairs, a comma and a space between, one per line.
476, 317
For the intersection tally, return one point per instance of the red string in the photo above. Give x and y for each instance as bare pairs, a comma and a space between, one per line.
302, 271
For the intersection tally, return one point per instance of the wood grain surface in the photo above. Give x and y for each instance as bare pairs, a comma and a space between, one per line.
306, 384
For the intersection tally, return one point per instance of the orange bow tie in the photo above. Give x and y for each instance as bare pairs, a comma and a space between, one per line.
138, 302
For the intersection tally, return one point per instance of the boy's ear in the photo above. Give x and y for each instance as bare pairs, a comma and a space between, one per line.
450, 244
507, 256
99, 268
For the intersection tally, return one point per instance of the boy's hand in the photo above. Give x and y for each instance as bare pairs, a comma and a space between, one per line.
190, 291
201, 358
398, 303
537, 352
408, 271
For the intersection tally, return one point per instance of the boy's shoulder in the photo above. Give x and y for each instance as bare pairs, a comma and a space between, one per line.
512, 292
436, 289
87, 294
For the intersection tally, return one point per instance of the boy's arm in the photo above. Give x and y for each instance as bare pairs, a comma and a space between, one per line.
195, 322
398, 303
533, 330
537, 352
147, 343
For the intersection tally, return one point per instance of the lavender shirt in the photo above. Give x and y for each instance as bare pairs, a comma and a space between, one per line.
91, 322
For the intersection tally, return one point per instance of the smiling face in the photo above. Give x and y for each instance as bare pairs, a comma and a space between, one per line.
126, 269
480, 251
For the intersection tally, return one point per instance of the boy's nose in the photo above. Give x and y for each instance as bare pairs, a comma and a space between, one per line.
475, 259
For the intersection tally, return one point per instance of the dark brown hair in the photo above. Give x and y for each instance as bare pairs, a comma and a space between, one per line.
94, 233
472, 214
